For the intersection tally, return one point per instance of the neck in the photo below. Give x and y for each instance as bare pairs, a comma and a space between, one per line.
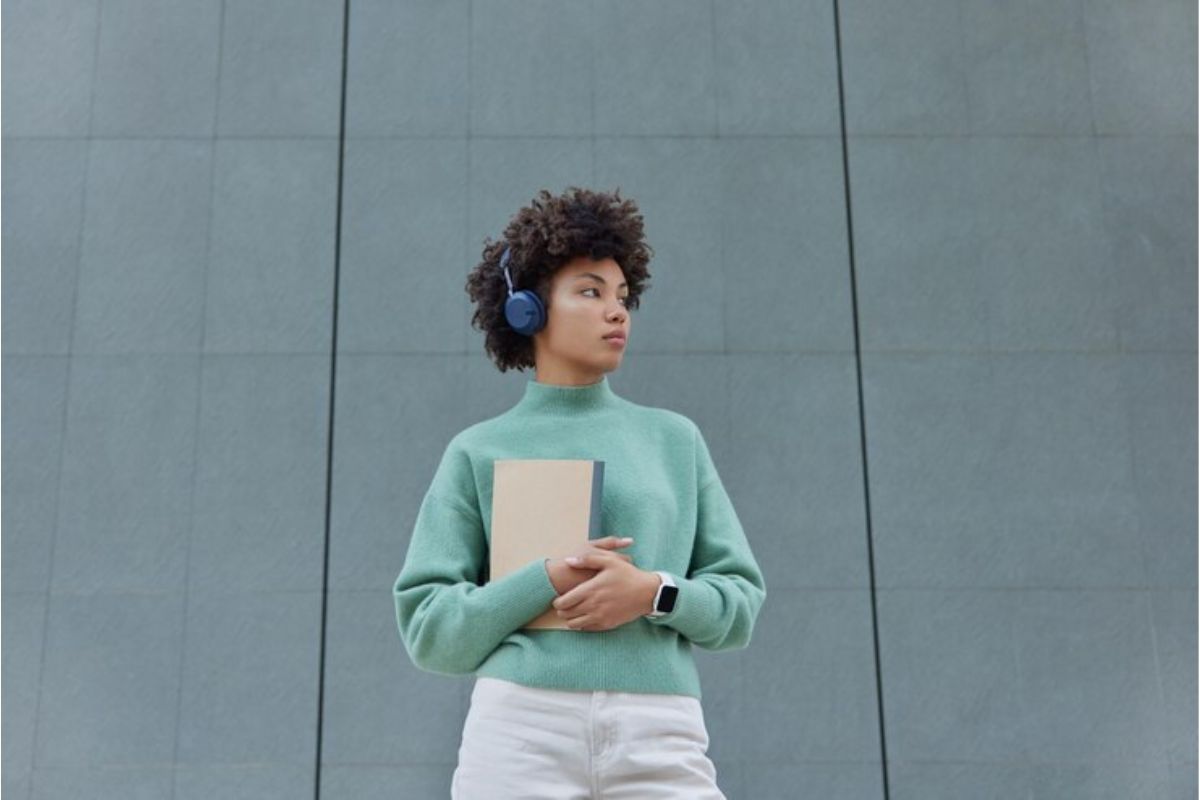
551, 398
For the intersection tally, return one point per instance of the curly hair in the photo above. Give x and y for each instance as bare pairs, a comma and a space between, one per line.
544, 236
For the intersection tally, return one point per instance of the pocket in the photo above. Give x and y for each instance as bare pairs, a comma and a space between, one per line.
487, 688
490, 700
694, 712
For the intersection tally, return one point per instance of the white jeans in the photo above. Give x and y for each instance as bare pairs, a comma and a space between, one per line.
527, 742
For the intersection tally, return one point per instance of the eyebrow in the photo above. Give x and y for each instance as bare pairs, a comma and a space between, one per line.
597, 277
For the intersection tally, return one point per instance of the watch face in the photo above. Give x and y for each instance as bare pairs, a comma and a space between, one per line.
666, 600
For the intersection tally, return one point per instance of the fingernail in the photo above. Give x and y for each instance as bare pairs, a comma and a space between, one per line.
626, 538
572, 560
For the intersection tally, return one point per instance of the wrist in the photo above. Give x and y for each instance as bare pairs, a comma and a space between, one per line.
552, 574
653, 581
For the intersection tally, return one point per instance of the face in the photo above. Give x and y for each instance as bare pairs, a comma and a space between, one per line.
586, 301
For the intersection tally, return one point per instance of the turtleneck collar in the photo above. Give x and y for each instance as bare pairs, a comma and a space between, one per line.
543, 398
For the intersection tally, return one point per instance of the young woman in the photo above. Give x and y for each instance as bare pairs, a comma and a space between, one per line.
611, 706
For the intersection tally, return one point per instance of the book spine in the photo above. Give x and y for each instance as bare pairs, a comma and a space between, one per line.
597, 494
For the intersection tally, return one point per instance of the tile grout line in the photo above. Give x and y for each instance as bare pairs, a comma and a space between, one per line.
66, 407
197, 412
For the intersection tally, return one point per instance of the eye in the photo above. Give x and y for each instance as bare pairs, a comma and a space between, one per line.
624, 299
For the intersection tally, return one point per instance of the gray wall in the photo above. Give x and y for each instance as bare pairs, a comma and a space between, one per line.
925, 276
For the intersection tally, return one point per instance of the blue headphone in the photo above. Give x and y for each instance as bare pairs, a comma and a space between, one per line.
523, 310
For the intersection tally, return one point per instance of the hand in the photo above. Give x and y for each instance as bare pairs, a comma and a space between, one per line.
619, 593
564, 578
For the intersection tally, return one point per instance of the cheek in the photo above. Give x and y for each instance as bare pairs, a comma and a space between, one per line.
571, 326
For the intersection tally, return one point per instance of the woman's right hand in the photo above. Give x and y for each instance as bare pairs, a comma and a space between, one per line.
565, 577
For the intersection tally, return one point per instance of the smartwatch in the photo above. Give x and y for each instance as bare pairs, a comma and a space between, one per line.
664, 598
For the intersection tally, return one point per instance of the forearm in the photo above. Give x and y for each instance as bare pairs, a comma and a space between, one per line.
452, 629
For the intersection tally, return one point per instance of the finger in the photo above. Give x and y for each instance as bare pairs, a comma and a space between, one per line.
613, 541
569, 600
606, 557
585, 560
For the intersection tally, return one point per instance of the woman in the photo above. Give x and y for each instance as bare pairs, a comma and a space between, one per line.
611, 706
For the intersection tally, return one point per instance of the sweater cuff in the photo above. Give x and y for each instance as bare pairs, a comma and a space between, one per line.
524, 593
696, 604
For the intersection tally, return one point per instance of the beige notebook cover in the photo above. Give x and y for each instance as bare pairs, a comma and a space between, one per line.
543, 508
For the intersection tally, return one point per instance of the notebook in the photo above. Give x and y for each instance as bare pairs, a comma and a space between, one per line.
543, 508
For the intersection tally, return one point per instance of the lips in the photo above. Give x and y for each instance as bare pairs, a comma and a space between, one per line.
615, 336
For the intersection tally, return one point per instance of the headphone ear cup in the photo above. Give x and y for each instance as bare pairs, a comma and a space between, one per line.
539, 318
525, 312
523, 309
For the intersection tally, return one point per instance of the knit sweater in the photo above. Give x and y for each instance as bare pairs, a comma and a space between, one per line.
660, 487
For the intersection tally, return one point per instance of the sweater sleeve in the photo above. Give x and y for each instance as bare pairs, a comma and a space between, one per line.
448, 623
719, 599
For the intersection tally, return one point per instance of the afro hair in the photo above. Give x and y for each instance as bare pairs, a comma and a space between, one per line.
544, 236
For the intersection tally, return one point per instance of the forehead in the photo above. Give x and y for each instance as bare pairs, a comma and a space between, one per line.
579, 267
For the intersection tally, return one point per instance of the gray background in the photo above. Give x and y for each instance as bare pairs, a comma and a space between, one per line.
925, 277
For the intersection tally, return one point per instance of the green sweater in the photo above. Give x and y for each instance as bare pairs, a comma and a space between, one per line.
660, 487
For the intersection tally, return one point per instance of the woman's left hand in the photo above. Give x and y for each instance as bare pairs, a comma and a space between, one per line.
619, 593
